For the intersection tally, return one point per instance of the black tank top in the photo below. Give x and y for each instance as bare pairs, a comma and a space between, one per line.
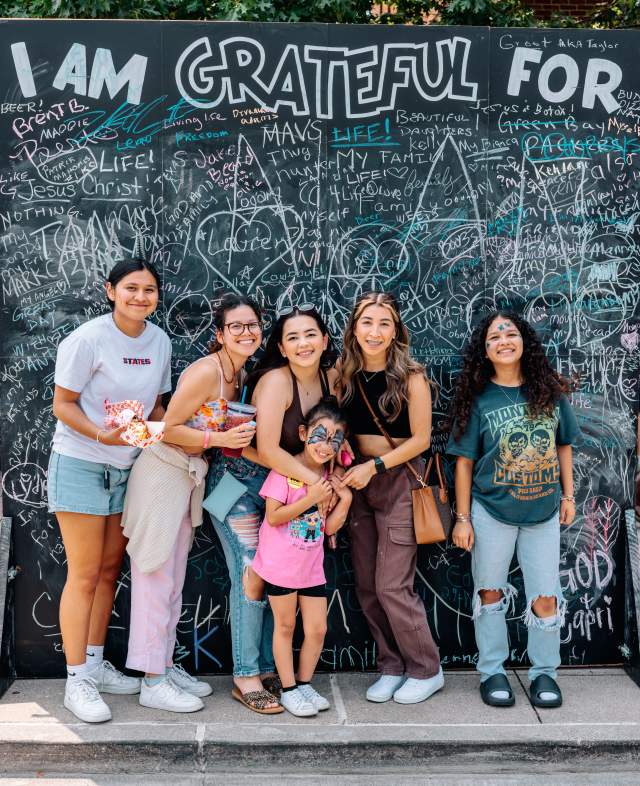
360, 419
293, 416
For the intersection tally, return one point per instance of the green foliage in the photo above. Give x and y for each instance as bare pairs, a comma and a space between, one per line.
242, 10
494, 13
617, 13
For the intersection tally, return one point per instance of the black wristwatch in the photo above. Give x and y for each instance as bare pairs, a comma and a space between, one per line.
379, 465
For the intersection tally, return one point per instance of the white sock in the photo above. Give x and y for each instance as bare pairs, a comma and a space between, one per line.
79, 671
94, 655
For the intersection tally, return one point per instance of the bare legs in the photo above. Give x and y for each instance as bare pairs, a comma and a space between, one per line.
314, 621
94, 547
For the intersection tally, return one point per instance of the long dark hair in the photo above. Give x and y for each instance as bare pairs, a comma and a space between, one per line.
542, 385
272, 357
228, 302
123, 267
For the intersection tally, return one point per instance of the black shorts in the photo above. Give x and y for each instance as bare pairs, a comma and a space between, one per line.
319, 591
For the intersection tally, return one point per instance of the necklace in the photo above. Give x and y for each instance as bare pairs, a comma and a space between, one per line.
372, 374
507, 396
234, 376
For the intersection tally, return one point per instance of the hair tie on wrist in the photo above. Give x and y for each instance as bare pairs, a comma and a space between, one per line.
100, 431
207, 435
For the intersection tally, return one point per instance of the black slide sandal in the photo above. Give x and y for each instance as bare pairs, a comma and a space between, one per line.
495, 683
545, 684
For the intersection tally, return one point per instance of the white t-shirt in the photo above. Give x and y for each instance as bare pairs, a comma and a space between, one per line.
101, 362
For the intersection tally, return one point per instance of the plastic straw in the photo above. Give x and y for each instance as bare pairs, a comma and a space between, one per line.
244, 394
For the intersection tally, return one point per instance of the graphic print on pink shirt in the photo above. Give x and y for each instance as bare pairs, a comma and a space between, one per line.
292, 554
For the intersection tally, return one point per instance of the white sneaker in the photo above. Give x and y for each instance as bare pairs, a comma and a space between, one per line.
414, 691
109, 680
384, 688
166, 695
191, 684
297, 704
81, 697
312, 695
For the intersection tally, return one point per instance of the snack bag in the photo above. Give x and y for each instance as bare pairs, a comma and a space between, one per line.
142, 433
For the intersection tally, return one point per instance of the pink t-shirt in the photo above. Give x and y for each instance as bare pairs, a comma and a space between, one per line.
290, 555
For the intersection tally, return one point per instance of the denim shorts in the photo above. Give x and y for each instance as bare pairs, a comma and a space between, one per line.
78, 486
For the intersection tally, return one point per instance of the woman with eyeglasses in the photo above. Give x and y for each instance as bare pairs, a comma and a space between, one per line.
291, 378
164, 503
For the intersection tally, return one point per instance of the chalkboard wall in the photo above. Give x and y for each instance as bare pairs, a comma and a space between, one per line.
458, 167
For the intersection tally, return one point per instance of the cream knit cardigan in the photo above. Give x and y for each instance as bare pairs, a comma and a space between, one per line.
164, 484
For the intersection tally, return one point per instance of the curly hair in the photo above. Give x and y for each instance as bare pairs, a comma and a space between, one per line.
399, 367
542, 385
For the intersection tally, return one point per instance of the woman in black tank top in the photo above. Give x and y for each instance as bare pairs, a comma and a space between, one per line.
377, 370
292, 377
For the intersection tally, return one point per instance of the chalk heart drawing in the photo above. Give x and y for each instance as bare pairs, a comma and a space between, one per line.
629, 341
227, 241
189, 316
26, 483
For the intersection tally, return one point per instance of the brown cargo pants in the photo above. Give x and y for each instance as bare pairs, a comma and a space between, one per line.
384, 551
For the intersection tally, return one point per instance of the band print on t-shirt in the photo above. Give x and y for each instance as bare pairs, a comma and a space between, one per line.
527, 460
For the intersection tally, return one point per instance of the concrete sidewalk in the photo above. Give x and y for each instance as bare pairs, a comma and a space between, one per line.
600, 719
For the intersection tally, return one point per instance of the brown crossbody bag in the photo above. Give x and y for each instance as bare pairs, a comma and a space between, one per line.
432, 517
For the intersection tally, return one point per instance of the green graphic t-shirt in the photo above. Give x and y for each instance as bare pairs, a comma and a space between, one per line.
516, 474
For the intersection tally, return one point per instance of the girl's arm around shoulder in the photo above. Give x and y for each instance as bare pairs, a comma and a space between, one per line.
272, 396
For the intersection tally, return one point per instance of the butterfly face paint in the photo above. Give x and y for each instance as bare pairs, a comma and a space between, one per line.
320, 434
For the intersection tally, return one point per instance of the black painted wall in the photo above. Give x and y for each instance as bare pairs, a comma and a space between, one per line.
460, 168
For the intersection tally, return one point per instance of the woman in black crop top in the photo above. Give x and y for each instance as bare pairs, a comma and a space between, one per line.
376, 364
292, 377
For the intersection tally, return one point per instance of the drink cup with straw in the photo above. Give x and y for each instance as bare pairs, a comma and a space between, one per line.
238, 413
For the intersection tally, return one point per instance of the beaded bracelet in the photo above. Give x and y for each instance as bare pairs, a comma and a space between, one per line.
568, 499
100, 431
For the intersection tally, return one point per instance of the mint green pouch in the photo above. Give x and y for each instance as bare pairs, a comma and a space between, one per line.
224, 496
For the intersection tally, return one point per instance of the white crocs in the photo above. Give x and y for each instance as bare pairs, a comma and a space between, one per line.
414, 691
384, 688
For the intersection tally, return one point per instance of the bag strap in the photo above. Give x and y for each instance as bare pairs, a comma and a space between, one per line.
383, 431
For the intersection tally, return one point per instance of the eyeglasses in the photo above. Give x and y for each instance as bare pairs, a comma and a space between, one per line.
303, 308
237, 328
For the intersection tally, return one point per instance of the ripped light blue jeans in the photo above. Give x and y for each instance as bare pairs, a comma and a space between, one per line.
251, 621
538, 551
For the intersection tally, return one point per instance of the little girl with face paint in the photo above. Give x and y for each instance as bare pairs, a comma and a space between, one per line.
290, 555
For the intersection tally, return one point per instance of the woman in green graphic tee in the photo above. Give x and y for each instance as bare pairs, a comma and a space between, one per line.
513, 429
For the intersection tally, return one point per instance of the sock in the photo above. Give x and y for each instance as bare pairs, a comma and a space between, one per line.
291, 687
151, 681
79, 671
302, 682
94, 655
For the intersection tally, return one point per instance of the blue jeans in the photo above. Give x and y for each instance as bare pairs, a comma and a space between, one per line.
251, 621
538, 550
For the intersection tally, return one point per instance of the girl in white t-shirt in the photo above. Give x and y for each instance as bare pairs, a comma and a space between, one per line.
116, 356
